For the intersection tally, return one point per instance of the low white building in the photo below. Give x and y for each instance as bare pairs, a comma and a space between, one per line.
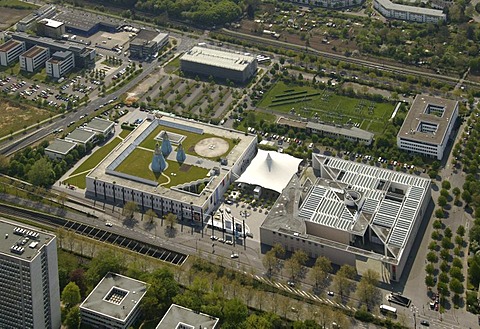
428, 126
179, 317
10, 51
81, 136
113, 303
34, 58
60, 63
389, 9
59, 148
353, 134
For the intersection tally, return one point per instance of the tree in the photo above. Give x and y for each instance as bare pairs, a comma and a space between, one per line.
269, 261
429, 281
439, 213
235, 313
432, 257
442, 201
293, 267
105, 261
41, 173
456, 273
342, 280
300, 256
72, 320
319, 272
429, 268
4, 163
461, 230
129, 209
279, 250
171, 220
71, 295
151, 216
456, 286
446, 185
437, 224
367, 290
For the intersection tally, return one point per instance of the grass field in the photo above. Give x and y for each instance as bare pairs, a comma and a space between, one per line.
173, 65
78, 181
17, 116
188, 143
138, 162
305, 101
124, 133
97, 156
17, 4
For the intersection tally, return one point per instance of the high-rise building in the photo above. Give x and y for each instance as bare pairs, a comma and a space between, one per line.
29, 288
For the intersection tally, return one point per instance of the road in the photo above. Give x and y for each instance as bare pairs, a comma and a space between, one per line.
11, 147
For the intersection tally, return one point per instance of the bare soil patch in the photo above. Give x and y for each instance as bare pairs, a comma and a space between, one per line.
16, 117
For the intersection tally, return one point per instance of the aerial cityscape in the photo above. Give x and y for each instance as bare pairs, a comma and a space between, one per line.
249, 164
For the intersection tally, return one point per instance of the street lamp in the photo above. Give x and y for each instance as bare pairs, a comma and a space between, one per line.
414, 310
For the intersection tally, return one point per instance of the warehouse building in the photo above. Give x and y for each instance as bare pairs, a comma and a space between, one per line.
61, 63
10, 51
85, 23
114, 303
147, 44
219, 64
428, 126
389, 9
351, 213
84, 56
34, 58
50, 28
28, 22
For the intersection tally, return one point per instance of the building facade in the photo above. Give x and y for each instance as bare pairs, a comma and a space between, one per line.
389, 9
61, 63
147, 44
219, 64
29, 287
50, 28
352, 134
46, 11
59, 148
351, 213
428, 126
10, 51
34, 58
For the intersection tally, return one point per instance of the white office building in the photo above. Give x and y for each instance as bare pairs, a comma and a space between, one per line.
29, 288
389, 9
114, 303
428, 126
60, 63
34, 58
10, 50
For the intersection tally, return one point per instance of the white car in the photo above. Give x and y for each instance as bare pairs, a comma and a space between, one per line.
108, 224
230, 242
234, 256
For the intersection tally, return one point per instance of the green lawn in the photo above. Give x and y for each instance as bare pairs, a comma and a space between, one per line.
267, 117
191, 139
305, 101
124, 133
173, 65
17, 4
138, 162
97, 156
78, 181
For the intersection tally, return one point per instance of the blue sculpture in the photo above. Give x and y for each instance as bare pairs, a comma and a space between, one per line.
166, 146
158, 162
181, 156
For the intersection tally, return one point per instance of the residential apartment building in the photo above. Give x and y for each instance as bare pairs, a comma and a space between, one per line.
34, 58
329, 3
10, 50
60, 63
428, 126
389, 9
29, 288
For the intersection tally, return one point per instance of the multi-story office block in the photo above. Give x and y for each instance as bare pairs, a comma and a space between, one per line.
60, 63
34, 58
10, 51
29, 289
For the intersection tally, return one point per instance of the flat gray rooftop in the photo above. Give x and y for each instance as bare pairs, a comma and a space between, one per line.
21, 241
100, 125
116, 296
350, 196
214, 57
60, 146
178, 314
412, 9
81, 135
83, 20
419, 114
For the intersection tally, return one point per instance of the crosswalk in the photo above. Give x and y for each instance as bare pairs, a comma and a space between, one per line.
303, 293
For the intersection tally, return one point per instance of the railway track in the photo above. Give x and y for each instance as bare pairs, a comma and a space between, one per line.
121, 240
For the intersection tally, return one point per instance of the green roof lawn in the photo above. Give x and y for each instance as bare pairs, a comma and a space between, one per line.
138, 164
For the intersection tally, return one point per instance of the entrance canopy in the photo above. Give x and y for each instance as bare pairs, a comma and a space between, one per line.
270, 170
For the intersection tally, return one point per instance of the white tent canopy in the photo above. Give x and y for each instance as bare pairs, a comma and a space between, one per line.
270, 170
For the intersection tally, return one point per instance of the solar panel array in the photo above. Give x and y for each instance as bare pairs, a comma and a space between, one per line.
323, 206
